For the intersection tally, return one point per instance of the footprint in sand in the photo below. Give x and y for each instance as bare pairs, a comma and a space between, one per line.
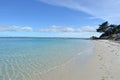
112, 77
116, 54
100, 67
108, 46
108, 76
112, 51
103, 78
100, 57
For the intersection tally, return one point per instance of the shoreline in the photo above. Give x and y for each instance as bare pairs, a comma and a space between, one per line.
83, 56
102, 65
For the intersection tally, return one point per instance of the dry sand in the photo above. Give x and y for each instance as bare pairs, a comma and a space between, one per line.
104, 64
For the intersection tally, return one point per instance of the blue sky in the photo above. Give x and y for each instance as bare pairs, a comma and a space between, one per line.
55, 18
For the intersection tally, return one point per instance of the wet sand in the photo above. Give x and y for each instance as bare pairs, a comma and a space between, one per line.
103, 64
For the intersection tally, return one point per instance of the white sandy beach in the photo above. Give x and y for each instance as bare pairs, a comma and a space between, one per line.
104, 64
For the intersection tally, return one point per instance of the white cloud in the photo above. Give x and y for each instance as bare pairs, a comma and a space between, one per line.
55, 28
15, 28
88, 29
104, 9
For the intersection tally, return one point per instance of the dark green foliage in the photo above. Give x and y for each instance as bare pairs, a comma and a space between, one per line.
94, 38
103, 27
109, 31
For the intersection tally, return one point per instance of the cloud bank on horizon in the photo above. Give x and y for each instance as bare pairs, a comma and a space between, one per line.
15, 28
103, 9
53, 31
53, 28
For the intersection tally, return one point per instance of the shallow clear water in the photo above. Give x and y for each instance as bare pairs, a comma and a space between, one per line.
21, 58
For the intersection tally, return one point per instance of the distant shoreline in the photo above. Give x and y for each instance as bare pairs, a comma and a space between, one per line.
50, 37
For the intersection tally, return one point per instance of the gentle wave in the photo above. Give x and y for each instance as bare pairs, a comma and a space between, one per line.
24, 59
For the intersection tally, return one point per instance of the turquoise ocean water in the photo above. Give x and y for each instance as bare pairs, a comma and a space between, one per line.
21, 58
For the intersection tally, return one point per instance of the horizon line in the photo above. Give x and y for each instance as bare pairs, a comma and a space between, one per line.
43, 37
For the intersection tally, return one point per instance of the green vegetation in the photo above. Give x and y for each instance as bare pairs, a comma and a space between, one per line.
109, 31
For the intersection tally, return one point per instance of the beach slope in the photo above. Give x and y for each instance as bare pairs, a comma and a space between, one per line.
104, 64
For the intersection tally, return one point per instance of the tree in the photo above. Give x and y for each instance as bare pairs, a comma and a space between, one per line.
108, 31
103, 27
117, 29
